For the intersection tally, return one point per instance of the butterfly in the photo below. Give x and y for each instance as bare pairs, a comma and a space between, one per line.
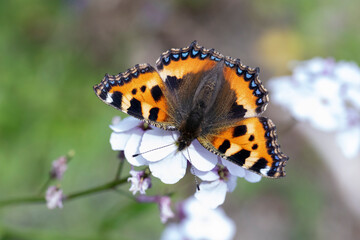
205, 96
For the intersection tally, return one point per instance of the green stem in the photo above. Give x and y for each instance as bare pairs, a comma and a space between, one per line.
101, 188
119, 169
46, 184
107, 186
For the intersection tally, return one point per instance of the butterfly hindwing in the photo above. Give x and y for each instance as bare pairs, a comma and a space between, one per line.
138, 92
250, 143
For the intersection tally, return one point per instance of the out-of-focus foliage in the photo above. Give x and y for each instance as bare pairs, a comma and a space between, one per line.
53, 52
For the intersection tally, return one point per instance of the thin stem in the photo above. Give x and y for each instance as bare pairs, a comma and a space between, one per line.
107, 186
121, 157
44, 186
119, 169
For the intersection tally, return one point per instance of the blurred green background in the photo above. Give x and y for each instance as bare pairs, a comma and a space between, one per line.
53, 52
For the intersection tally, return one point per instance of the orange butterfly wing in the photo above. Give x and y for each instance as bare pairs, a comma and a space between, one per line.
138, 92
252, 144
252, 97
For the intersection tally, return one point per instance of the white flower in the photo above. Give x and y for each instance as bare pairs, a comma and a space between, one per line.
59, 167
159, 149
200, 222
126, 136
166, 162
140, 182
222, 179
164, 204
327, 95
54, 196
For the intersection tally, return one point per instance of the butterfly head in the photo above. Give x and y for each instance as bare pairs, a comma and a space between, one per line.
183, 142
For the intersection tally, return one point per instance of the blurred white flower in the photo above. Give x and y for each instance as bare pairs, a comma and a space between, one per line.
54, 197
199, 222
59, 167
140, 182
327, 95
164, 204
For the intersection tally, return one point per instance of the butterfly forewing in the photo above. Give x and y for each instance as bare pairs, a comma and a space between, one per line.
251, 95
138, 92
177, 63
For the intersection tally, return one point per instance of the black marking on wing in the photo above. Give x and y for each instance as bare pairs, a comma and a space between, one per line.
259, 164
251, 138
156, 93
172, 82
237, 111
239, 131
135, 108
154, 113
240, 157
224, 146
103, 95
117, 99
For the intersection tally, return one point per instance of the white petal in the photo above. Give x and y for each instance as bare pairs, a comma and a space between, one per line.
212, 194
126, 124
252, 177
353, 96
132, 147
325, 87
201, 158
153, 144
348, 72
170, 169
231, 183
206, 176
234, 169
349, 141
118, 140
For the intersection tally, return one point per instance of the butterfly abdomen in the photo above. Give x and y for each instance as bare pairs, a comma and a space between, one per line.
190, 128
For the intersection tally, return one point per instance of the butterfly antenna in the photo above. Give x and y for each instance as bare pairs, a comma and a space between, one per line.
193, 172
137, 154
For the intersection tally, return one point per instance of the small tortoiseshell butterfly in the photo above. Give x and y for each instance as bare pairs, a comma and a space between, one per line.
205, 96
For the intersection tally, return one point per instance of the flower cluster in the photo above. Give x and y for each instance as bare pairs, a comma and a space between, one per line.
326, 94
157, 149
54, 195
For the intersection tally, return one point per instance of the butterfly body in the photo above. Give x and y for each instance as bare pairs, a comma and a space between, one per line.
205, 96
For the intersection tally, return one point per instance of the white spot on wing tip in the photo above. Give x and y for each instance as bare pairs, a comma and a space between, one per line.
265, 170
109, 98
